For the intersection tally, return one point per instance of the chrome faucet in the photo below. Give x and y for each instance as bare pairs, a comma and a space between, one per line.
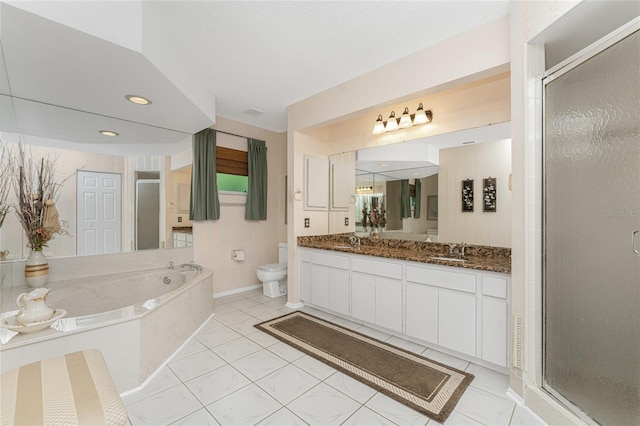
461, 248
452, 247
191, 265
354, 241
170, 265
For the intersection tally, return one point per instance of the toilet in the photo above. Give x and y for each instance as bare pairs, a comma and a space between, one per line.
274, 275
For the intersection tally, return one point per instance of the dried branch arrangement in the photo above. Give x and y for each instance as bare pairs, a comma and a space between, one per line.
5, 181
36, 190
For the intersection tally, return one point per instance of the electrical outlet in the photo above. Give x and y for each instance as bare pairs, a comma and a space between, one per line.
346, 221
306, 222
179, 218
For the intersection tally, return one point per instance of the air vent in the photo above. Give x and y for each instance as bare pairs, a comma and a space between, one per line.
468, 143
516, 341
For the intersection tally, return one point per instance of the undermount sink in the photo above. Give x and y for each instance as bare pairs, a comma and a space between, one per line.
448, 259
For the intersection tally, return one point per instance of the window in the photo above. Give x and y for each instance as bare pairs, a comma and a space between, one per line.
232, 170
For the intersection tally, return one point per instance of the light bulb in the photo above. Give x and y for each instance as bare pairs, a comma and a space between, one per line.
379, 126
405, 119
392, 122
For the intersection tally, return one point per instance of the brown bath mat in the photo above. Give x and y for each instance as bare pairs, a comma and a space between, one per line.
427, 386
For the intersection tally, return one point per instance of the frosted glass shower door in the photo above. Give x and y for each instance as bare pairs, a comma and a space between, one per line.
591, 235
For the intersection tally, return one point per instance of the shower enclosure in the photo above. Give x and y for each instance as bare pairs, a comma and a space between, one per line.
591, 247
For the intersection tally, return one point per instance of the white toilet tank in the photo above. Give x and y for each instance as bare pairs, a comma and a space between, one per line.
282, 252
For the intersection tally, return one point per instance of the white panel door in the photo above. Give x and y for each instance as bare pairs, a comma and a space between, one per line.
99, 208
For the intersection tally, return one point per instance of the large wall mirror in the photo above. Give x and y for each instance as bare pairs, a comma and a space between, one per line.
55, 107
440, 163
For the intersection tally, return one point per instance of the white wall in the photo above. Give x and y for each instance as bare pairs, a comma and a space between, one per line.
214, 240
477, 162
469, 57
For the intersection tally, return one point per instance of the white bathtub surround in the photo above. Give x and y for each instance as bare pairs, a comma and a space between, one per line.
135, 339
65, 268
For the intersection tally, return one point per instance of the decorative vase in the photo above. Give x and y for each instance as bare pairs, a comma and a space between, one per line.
37, 270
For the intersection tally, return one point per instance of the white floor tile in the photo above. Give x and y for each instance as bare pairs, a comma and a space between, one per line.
457, 419
394, 411
218, 337
164, 408
372, 332
351, 325
323, 405
216, 384
223, 309
194, 365
246, 406
244, 304
164, 380
350, 387
263, 339
230, 298
489, 380
282, 417
485, 407
236, 349
231, 317
287, 383
199, 418
193, 346
523, 417
259, 364
245, 327
314, 367
406, 345
286, 351
261, 298
366, 417
446, 359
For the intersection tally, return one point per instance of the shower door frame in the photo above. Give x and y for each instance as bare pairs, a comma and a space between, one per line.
558, 70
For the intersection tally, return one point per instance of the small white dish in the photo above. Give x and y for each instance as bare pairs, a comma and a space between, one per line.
11, 323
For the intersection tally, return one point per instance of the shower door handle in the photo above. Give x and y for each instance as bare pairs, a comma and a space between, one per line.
634, 242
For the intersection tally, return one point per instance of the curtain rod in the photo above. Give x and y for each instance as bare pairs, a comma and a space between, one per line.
232, 134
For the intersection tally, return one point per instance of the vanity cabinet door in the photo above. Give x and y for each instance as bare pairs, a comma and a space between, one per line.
320, 279
305, 282
339, 291
389, 303
363, 297
457, 321
495, 314
422, 312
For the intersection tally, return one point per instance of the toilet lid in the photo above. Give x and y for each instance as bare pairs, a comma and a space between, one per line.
274, 267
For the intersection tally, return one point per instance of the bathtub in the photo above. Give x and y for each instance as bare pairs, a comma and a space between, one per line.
137, 319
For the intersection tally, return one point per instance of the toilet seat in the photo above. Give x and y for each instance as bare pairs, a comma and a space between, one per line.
273, 267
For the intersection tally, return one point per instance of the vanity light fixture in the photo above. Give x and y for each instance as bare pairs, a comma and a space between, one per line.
109, 133
406, 120
139, 100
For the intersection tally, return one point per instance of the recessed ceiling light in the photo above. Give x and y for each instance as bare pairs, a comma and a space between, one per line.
108, 133
138, 99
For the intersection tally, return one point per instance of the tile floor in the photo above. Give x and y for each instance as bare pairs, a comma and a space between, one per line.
231, 373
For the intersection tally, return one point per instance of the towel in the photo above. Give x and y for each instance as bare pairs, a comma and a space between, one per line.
6, 335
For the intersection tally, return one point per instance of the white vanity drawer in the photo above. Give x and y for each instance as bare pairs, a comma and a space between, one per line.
435, 277
494, 286
331, 260
377, 267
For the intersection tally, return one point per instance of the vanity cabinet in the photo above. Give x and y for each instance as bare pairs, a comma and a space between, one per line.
465, 311
451, 298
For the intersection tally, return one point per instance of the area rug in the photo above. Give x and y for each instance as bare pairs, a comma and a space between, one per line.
426, 386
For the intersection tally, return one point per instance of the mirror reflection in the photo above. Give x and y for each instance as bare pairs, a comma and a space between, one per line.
436, 165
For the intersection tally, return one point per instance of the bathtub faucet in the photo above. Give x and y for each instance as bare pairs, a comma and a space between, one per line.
170, 265
191, 265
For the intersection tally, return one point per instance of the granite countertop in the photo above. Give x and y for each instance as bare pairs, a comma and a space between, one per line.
485, 258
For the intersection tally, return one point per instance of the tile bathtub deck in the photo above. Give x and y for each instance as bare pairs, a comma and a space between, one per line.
232, 373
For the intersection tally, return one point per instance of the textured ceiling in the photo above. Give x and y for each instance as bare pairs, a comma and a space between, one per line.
270, 54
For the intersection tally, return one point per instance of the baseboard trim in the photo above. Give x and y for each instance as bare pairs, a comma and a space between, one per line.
291, 305
236, 291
